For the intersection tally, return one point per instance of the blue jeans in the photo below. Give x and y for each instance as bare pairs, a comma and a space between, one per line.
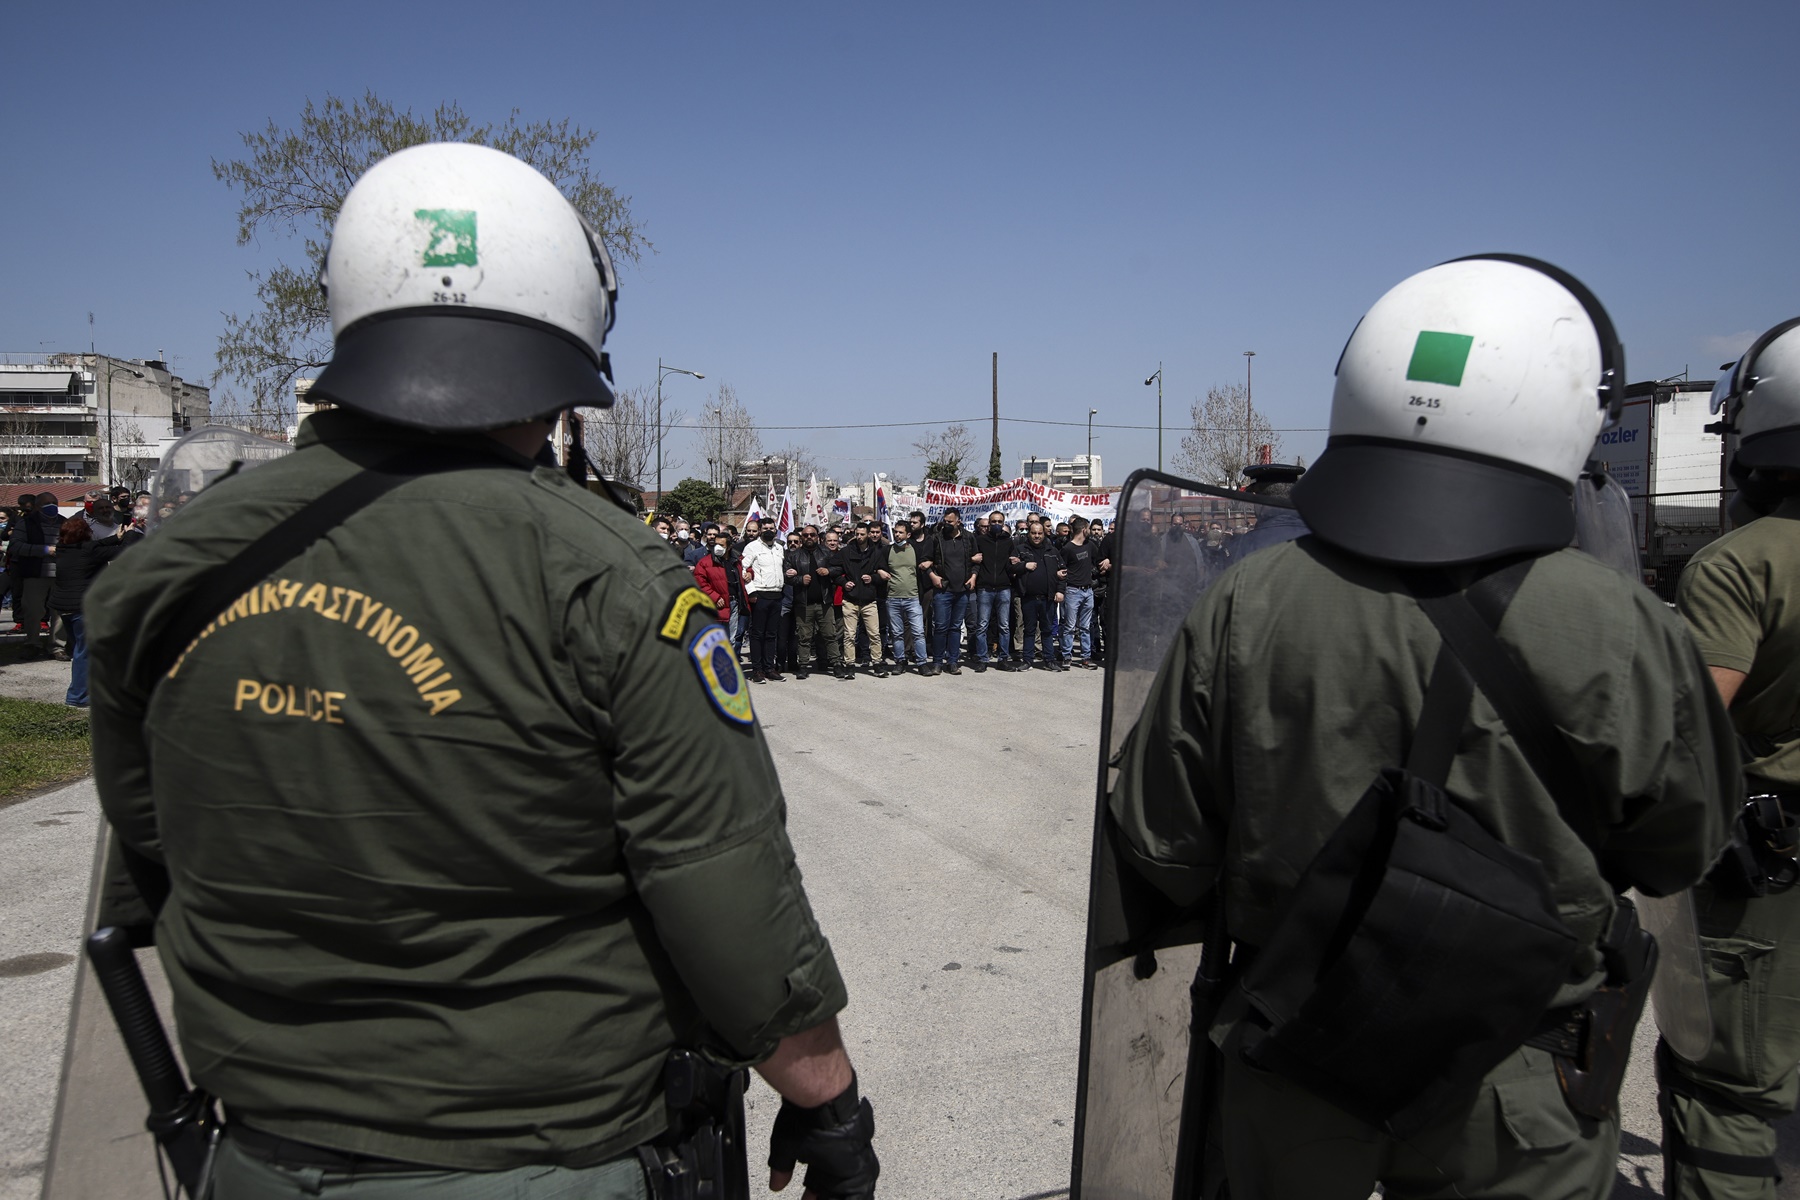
951, 609
78, 664
906, 621
1077, 611
1037, 621
993, 611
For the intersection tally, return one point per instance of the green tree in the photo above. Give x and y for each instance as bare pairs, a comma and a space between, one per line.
293, 182
694, 499
996, 470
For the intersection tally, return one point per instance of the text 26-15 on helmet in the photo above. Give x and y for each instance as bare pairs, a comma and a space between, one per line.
466, 293
1467, 401
1759, 397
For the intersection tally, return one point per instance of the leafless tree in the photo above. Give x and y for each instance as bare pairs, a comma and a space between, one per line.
728, 433
621, 440
24, 447
805, 463
946, 453
263, 414
131, 454
1220, 444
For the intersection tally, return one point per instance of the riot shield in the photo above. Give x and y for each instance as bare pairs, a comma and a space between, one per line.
1131, 1142
1604, 527
1604, 524
200, 459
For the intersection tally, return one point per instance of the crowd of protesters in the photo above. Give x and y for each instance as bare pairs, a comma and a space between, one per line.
52, 558
854, 599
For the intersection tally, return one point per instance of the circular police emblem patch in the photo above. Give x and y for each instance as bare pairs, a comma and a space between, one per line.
719, 673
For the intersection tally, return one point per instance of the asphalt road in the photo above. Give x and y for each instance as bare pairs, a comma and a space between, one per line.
943, 826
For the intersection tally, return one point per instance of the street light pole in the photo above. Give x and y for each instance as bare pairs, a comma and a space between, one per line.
1090, 454
1157, 379
1249, 451
661, 371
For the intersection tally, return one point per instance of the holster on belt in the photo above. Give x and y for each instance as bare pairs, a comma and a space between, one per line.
1591, 1041
702, 1155
1760, 858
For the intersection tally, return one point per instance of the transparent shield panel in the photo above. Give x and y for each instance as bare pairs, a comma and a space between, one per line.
200, 459
1172, 540
1678, 989
1605, 525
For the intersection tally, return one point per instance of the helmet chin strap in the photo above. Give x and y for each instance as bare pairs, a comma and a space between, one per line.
575, 456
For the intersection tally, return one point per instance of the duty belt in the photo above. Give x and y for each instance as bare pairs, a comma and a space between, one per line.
286, 1152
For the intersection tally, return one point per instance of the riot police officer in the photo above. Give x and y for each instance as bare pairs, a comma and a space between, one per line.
1274, 525
1301, 699
446, 882
1738, 597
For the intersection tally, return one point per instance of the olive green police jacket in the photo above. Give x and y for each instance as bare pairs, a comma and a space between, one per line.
1302, 672
467, 817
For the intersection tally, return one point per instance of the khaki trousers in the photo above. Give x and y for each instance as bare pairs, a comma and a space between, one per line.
869, 615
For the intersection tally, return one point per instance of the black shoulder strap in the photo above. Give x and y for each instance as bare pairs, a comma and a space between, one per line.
1441, 719
218, 588
1468, 621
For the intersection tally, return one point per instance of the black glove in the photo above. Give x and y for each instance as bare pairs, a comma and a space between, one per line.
834, 1140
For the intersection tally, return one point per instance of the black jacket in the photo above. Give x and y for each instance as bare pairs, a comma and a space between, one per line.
995, 568
952, 558
863, 558
1043, 581
817, 562
76, 567
31, 533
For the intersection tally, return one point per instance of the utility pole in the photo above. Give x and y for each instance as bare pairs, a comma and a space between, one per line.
1248, 423
996, 471
1090, 456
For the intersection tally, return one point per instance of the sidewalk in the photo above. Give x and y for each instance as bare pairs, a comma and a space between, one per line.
44, 679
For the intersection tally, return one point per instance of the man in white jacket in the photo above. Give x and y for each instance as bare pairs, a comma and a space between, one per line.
764, 579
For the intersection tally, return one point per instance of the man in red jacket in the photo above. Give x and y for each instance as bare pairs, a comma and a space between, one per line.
712, 575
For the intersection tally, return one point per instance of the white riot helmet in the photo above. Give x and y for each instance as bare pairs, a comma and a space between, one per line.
1759, 397
1467, 400
466, 293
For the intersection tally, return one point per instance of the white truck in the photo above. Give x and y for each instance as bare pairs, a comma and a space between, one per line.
1672, 465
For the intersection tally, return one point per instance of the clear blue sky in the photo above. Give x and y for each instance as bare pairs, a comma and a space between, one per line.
854, 204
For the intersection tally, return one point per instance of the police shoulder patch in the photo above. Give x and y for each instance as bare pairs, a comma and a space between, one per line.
685, 602
719, 673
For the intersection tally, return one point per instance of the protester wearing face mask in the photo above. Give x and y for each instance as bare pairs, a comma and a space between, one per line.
762, 572
712, 574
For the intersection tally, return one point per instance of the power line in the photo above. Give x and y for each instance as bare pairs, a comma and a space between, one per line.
760, 428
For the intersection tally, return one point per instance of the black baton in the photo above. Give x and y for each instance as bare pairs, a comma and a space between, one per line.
181, 1118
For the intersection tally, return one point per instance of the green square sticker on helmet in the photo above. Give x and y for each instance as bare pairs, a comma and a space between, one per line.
452, 241
1439, 358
